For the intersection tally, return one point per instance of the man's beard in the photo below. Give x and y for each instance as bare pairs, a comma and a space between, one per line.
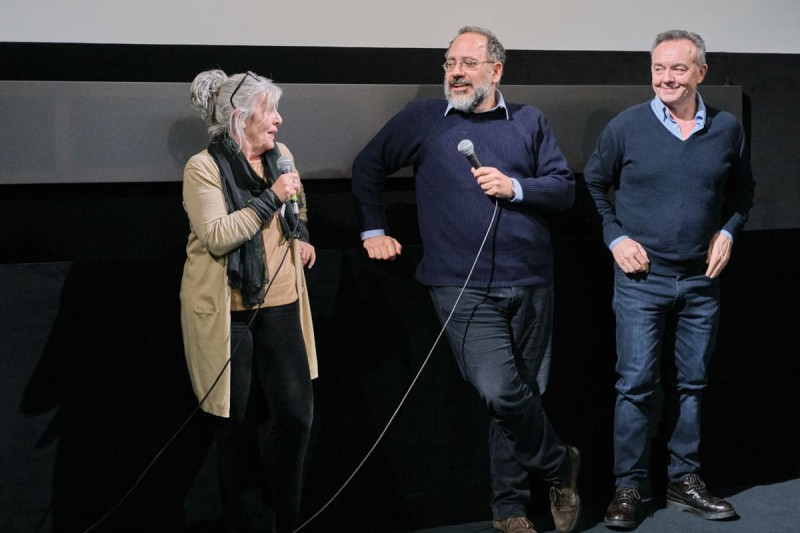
466, 103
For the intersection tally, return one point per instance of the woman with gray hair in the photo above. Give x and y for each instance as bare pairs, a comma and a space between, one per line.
245, 314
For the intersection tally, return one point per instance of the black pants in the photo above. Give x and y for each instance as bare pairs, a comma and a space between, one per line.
261, 448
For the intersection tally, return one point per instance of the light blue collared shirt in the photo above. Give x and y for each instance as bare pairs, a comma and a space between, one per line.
662, 114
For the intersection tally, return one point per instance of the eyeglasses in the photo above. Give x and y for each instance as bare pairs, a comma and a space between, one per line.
248, 73
467, 64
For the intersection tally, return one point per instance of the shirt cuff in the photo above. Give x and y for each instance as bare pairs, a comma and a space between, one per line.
616, 241
517, 191
372, 233
727, 234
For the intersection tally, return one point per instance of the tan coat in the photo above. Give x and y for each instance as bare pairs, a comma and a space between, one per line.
205, 294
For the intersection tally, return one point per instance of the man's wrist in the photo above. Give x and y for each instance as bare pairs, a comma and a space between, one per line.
372, 233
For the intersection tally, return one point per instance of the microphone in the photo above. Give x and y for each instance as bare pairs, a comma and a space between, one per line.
284, 167
466, 148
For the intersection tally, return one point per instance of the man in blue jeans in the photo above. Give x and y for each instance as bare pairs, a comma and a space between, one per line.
501, 325
683, 187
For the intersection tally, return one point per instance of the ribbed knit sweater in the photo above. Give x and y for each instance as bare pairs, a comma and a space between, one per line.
453, 212
671, 195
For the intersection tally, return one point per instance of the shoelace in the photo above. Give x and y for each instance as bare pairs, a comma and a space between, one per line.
522, 521
696, 488
626, 495
515, 523
555, 495
694, 482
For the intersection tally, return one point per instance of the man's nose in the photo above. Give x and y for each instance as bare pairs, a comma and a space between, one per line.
458, 67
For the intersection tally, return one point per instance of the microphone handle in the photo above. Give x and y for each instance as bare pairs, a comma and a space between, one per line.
473, 159
292, 198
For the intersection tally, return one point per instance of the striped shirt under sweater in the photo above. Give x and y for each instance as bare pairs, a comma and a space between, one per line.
453, 211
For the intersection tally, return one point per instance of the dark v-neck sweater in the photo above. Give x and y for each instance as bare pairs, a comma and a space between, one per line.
671, 195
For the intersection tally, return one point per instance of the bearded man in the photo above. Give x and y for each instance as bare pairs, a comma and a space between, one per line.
498, 308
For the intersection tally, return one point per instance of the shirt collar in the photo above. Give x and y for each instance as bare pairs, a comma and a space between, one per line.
501, 104
662, 112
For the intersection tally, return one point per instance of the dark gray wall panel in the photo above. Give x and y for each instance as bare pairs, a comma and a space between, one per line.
104, 132
85, 132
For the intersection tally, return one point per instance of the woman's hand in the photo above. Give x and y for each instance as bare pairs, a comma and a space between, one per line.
308, 256
286, 186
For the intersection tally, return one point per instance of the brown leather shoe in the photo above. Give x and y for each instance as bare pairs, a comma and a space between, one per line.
565, 504
518, 524
690, 495
625, 509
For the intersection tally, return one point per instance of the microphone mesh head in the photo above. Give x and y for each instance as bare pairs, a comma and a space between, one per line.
465, 147
284, 164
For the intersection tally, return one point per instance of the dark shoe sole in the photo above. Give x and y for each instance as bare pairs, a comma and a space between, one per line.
626, 525
680, 506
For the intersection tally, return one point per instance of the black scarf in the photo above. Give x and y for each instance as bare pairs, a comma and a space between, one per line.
247, 270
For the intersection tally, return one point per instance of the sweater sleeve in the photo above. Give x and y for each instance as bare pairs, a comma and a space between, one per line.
552, 187
601, 172
218, 231
739, 189
395, 146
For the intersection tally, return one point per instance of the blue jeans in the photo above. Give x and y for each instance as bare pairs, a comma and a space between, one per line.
501, 341
647, 308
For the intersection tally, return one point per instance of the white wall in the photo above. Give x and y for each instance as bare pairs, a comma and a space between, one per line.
757, 26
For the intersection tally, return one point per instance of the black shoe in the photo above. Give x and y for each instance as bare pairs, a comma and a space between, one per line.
690, 495
625, 509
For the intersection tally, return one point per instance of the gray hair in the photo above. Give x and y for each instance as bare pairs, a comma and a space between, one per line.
679, 35
495, 49
211, 95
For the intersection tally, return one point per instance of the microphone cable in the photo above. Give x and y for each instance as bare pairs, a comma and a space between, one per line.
194, 412
413, 381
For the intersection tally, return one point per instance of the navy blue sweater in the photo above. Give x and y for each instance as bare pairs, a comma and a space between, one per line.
453, 211
670, 195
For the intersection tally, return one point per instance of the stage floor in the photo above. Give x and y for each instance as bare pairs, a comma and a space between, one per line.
770, 508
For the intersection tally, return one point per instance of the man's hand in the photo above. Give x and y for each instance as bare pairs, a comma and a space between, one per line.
719, 253
382, 247
494, 183
630, 256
